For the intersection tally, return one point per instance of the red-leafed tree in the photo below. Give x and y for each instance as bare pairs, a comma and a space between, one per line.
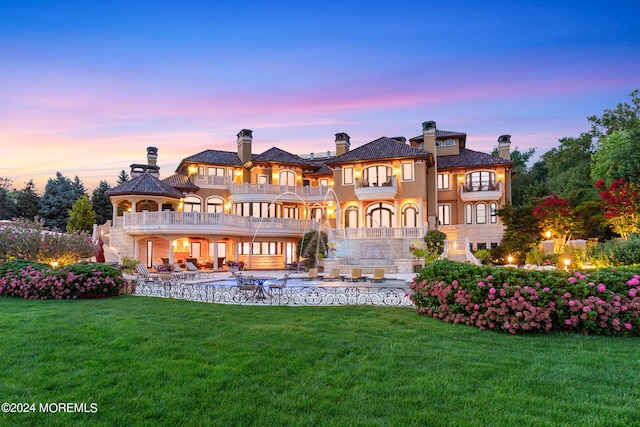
621, 205
556, 215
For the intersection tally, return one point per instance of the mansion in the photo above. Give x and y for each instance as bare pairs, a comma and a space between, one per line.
373, 201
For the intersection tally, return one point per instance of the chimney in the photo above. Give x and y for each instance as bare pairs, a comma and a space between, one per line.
152, 156
342, 143
245, 136
429, 135
504, 147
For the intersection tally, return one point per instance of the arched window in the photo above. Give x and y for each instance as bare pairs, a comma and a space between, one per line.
480, 181
351, 217
468, 213
215, 205
147, 205
318, 214
493, 211
410, 215
379, 215
481, 213
287, 178
192, 204
376, 175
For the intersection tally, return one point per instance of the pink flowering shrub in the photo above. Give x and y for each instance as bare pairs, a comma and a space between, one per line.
39, 281
515, 300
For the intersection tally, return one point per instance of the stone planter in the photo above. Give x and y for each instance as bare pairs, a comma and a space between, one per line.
165, 276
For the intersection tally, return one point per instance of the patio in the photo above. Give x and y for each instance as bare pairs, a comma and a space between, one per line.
394, 292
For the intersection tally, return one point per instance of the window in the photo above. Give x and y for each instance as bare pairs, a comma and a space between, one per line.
191, 204
215, 205
407, 171
481, 213
410, 216
257, 209
379, 215
347, 176
444, 214
377, 175
216, 171
351, 217
493, 211
318, 214
443, 181
287, 178
480, 181
324, 182
468, 213
200, 170
260, 248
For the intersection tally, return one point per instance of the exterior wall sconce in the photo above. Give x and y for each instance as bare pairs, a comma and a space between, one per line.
193, 170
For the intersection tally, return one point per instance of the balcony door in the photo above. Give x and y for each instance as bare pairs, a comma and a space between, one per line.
379, 215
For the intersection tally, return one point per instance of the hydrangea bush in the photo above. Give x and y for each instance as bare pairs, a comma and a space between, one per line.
33, 280
604, 301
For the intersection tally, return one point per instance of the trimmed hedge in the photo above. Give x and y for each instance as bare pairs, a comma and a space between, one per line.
33, 280
603, 301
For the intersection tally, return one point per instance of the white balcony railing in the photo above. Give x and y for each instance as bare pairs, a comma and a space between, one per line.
302, 191
200, 219
481, 192
377, 233
212, 180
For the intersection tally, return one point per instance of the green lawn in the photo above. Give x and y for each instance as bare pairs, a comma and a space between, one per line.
151, 361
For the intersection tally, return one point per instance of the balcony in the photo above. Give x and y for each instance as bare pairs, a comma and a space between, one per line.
376, 190
203, 223
484, 191
212, 181
284, 193
377, 233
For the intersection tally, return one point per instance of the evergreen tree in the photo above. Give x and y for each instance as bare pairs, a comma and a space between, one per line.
122, 177
81, 216
79, 188
27, 201
59, 196
7, 205
101, 203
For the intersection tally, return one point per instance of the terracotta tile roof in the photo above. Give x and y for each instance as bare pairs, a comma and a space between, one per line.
442, 134
213, 157
324, 170
470, 158
180, 181
381, 148
145, 184
280, 156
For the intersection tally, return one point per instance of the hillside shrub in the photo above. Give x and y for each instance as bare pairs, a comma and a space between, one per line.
615, 252
32, 280
605, 301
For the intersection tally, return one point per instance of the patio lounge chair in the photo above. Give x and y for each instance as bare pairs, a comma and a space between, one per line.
378, 275
143, 272
313, 273
180, 273
200, 273
356, 276
333, 275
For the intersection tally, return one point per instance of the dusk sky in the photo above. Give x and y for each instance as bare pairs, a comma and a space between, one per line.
86, 86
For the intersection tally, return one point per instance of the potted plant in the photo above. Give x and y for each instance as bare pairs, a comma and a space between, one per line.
234, 266
165, 271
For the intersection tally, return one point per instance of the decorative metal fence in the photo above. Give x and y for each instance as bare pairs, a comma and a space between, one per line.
289, 295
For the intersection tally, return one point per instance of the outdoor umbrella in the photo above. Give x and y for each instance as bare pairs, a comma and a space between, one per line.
100, 254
